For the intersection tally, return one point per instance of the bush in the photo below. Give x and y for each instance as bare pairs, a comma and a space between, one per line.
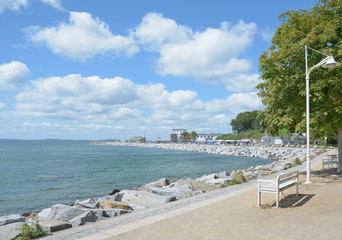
31, 229
237, 179
297, 162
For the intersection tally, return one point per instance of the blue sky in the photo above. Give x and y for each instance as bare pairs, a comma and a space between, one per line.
109, 69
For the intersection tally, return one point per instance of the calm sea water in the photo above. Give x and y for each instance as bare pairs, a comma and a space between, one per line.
38, 174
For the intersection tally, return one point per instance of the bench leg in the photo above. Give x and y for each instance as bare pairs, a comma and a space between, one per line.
297, 189
277, 199
259, 198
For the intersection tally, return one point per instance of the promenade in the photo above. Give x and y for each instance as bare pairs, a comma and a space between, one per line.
232, 213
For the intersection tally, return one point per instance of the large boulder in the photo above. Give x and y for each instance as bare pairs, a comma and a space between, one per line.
10, 231
54, 225
115, 212
61, 212
116, 197
7, 219
157, 184
107, 204
83, 218
89, 203
143, 198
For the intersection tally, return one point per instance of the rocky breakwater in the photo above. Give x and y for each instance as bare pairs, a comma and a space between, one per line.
257, 151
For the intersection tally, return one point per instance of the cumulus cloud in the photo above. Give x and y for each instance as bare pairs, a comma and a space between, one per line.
54, 3
13, 5
211, 56
12, 74
73, 96
155, 30
82, 38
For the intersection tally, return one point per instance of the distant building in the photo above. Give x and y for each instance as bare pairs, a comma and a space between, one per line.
202, 137
178, 131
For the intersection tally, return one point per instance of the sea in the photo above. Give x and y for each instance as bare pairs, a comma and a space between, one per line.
36, 174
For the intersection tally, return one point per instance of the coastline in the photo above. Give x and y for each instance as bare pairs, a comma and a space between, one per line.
162, 191
255, 151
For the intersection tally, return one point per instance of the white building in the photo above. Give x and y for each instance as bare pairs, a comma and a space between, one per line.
202, 137
178, 131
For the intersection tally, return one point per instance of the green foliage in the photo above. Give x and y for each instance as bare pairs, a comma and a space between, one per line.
282, 69
227, 136
248, 121
31, 230
237, 179
185, 137
297, 162
193, 135
173, 137
250, 134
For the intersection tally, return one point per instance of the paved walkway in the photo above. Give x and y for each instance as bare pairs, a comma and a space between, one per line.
231, 213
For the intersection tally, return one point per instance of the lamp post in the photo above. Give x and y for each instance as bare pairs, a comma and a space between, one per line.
330, 64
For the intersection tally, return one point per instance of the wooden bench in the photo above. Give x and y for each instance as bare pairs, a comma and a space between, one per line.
283, 182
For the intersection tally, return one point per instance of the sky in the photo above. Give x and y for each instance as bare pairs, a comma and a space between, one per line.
110, 69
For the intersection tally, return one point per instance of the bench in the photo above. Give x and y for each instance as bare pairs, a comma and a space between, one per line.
330, 160
283, 182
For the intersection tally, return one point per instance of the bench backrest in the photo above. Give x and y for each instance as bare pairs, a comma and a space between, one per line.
284, 177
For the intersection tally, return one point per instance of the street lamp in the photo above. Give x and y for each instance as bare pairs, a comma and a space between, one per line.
330, 64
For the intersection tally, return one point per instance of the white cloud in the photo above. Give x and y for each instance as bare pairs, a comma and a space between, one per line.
82, 38
72, 96
2, 105
211, 56
54, 3
155, 30
13, 5
12, 74
267, 34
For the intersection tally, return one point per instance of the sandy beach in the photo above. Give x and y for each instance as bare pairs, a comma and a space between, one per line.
315, 214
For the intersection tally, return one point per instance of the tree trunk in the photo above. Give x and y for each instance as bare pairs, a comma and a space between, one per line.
339, 144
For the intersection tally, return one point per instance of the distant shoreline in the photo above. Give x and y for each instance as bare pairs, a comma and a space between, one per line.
256, 151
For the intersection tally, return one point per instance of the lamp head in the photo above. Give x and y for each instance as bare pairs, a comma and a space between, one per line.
331, 63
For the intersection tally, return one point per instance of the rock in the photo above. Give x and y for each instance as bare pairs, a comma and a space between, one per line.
114, 191
222, 174
207, 177
7, 219
10, 231
115, 212
83, 218
116, 197
198, 185
61, 212
173, 193
143, 198
89, 203
219, 181
160, 183
107, 204
44, 214
54, 225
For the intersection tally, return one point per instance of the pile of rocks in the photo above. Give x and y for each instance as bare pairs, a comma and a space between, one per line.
257, 151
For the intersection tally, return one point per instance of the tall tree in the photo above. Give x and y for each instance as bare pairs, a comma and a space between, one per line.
248, 121
173, 137
184, 137
282, 69
193, 135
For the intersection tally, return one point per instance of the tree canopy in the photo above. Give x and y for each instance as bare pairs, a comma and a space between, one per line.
282, 69
248, 121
